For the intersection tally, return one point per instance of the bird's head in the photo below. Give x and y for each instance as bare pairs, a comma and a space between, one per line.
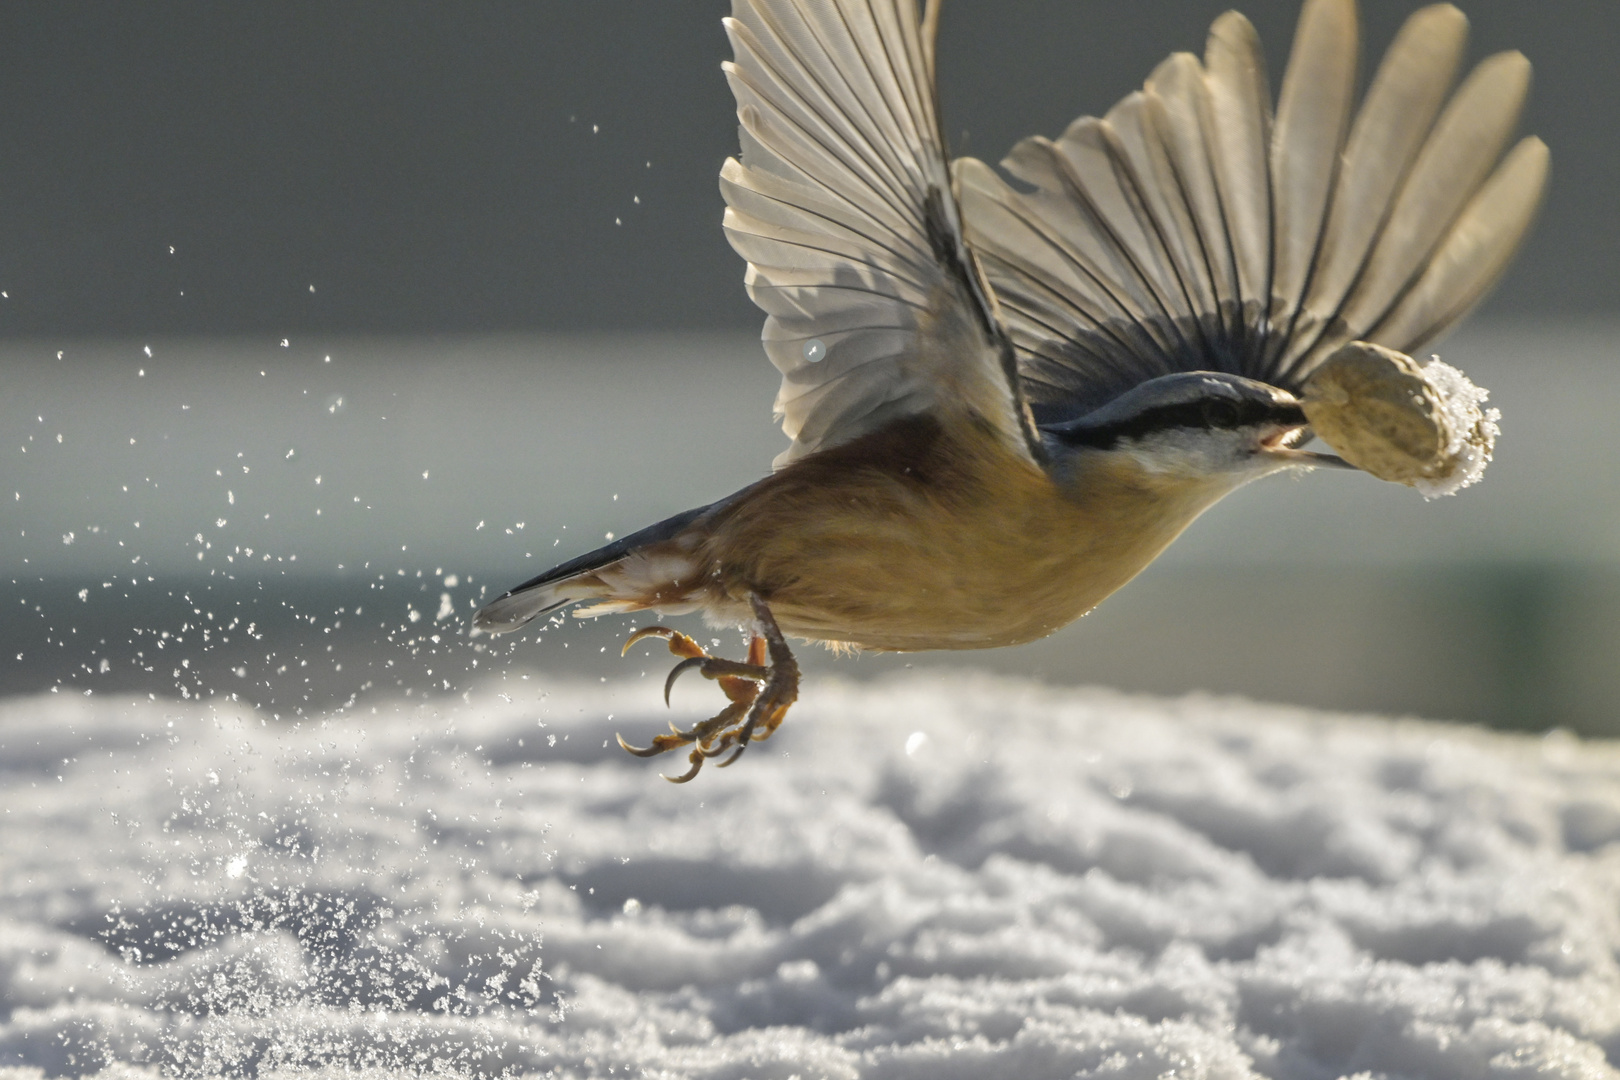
1196, 426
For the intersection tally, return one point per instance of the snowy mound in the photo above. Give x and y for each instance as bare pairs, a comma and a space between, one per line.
928, 878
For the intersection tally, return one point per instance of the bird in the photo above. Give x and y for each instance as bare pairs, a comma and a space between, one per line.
1006, 392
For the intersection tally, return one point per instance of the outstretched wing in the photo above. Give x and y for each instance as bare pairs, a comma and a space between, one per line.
1191, 229
842, 205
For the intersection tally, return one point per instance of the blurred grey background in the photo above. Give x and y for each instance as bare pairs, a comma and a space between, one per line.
477, 166
398, 297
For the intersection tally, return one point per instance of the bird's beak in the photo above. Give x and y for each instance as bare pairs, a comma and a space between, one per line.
1280, 447
1311, 459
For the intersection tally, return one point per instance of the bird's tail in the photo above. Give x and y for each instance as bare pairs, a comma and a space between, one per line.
577, 579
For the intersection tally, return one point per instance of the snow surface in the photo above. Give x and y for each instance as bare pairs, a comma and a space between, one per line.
942, 877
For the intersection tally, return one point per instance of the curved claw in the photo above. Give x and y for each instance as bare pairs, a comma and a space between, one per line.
760, 690
650, 751
644, 633
697, 763
685, 665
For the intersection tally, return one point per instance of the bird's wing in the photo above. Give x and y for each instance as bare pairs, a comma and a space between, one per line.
1193, 229
842, 205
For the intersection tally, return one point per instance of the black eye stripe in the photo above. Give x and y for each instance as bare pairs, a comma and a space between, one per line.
1220, 413
1203, 415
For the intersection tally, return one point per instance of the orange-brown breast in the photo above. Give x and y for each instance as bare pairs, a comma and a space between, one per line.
927, 536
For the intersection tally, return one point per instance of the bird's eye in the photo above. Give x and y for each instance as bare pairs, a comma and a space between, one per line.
1219, 413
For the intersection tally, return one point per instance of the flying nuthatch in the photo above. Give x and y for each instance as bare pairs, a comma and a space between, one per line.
1006, 399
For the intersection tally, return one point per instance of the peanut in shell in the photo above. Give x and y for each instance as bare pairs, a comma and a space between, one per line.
1415, 424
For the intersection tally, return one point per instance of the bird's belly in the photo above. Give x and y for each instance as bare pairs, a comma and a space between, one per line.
915, 589
966, 550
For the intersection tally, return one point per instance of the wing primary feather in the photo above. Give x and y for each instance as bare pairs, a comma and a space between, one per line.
1239, 133
1134, 151
899, 118
930, 39
1312, 112
1080, 177
754, 212
941, 217
1178, 106
881, 176
1029, 276
1398, 113
1459, 153
1475, 252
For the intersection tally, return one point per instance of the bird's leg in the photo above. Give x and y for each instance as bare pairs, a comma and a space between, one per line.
779, 691
759, 693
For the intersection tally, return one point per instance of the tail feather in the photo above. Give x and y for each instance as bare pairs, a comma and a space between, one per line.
575, 580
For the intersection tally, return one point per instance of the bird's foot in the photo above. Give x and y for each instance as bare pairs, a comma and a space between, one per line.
760, 693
